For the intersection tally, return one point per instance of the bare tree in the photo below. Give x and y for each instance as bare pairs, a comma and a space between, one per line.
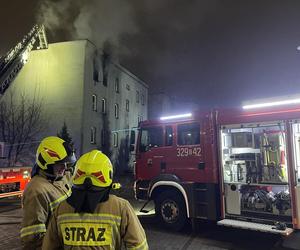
21, 120
65, 135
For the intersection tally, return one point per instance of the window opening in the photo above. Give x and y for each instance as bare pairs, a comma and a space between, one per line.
116, 111
93, 135
103, 106
94, 101
188, 134
115, 138
151, 138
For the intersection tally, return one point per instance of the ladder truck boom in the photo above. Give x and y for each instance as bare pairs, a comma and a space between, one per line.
14, 60
14, 179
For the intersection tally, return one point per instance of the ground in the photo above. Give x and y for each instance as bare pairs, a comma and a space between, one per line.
207, 237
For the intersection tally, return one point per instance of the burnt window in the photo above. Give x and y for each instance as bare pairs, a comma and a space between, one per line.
188, 134
96, 75
137, 97
95, 71
105, 77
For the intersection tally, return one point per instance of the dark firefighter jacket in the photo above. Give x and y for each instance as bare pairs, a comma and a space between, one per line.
113, 222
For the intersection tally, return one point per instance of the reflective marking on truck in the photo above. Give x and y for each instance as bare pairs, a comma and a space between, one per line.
185, 152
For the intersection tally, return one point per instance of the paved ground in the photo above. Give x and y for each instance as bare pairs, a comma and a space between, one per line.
208, 237
10, 219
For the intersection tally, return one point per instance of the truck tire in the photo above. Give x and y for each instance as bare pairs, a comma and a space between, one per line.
171, 210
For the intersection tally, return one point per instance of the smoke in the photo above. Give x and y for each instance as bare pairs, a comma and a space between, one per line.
206, 49
53, 15
97, 20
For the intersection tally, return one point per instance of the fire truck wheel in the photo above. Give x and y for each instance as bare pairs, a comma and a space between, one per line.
170, 210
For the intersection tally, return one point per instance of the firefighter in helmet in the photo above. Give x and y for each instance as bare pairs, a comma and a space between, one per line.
92, 218
50, 184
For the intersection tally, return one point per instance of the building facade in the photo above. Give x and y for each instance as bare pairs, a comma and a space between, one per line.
99, 100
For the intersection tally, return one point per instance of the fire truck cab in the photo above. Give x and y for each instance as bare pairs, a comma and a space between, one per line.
237, 167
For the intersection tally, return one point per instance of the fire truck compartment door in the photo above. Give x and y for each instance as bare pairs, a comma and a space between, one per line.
254, 226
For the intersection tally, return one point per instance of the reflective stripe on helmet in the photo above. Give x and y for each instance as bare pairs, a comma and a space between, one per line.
34, 229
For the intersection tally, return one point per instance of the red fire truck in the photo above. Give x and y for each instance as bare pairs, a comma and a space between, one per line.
238, 167
13, 181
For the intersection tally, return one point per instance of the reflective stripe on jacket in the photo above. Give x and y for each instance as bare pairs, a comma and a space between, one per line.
113, 222
40, 198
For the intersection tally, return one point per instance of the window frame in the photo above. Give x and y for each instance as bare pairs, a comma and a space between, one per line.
116, 110
127, 105
93, 135
143, 99
115, 139
162, 143
178, 133
140, 118
94, 102
117, 85
166, 138
103, 106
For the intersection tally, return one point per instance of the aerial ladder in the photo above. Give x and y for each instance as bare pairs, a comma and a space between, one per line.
14, 179
14, 60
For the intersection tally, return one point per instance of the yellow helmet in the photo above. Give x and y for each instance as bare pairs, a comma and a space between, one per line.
95, 166
53, 150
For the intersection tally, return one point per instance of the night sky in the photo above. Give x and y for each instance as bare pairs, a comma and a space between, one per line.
210, 52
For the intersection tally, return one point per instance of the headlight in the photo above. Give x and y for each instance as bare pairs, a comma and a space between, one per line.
26, 174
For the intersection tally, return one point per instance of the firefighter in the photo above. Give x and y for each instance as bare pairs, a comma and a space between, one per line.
92, 218
50, 184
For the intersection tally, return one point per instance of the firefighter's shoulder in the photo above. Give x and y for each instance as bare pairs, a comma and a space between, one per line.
37, 185
118, 202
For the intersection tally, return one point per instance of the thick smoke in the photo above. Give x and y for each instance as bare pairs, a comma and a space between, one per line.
53, 14
201, 50
97, 20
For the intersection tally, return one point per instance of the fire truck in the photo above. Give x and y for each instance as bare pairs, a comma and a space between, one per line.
14, 179
239, 167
